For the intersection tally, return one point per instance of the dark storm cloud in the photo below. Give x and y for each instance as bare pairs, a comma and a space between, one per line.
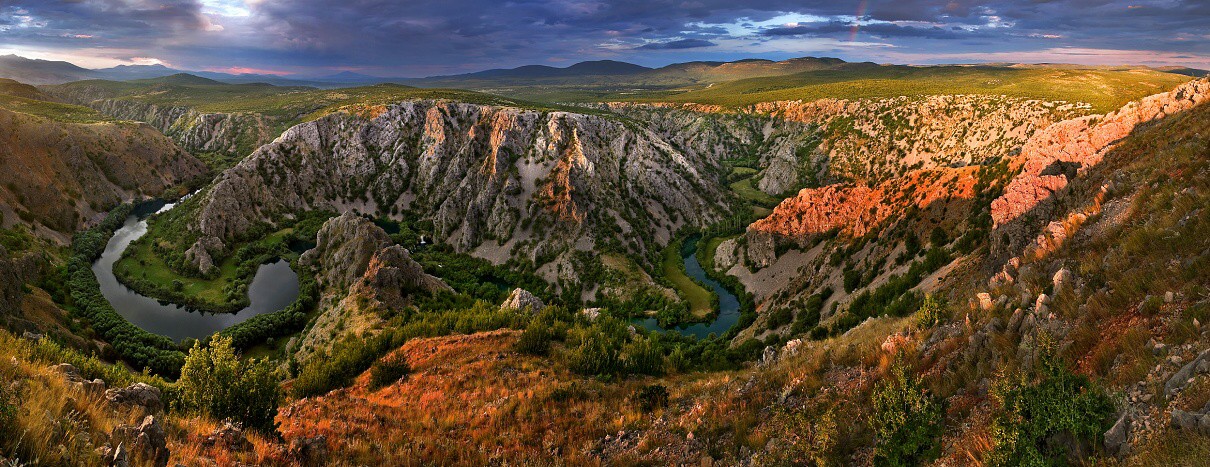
677, 45
427, 37
882, 30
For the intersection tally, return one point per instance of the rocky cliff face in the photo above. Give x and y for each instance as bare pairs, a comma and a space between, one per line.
1054, 156
58, 176
783, 148
497, 180
870, 140
362, 274
231, 134
878, 139
15, 271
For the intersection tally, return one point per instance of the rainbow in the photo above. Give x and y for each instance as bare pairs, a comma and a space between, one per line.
861, 6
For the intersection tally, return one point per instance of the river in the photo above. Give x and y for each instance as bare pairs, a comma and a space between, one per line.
273, 288
728, 303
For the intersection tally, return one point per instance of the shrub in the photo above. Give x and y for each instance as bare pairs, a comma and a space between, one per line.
1041, 417
929, 312
535, 340
907, 421
8, 412
390, 369
652, 397
215, 382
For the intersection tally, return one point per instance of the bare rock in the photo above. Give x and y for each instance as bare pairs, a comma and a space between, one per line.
522, 300
1062, 278
229, 437
69, 372
146, 441
311, 452
985, 301
1181, 378
1118, 435
138, 394
591, 313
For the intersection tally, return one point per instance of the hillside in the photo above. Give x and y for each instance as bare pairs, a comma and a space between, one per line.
65, 165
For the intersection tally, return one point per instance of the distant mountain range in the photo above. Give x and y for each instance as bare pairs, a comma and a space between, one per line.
601, 72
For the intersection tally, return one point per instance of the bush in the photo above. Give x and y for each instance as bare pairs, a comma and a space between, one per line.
908, 422
652, 397
8, 412
215, 382
535, 340
389, 370
1042, 416
929, 313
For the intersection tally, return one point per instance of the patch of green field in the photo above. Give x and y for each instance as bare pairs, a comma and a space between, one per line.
708, 250
673, 270
65, 113
1104, 88
140, 261
751, 194
285, 105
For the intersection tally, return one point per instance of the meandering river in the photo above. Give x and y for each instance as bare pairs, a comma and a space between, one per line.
273, 288
728, 303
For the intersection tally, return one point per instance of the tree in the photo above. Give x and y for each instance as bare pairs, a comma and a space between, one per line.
215, 382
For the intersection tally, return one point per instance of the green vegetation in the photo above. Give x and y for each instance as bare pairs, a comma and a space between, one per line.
908, 422
1043, 417
701, 301
652, 397
215, 382
389, 370
154, 265
138, 347
1104, 88
535, 340
55, 111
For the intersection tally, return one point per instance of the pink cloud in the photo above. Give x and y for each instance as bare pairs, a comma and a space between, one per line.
240, 70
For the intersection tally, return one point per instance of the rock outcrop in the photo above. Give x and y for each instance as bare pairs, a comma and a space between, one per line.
362, 274
15, 272
137, 394
522, 300
235, 134
1050, 159
343, 249
146, 442
524, 182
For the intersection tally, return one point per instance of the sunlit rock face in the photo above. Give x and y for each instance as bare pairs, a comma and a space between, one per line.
499, 181
1051, 158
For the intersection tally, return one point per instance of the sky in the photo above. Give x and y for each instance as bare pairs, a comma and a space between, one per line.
425, 38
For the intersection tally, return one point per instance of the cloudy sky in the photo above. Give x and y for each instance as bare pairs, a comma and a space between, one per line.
423, 38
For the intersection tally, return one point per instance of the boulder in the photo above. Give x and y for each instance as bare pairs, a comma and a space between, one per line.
69, 372
137, 394
1116, 439
522, 300
1181, 378
985, 301
1062, 278
309, 451
591, 313
146, 441
229, 437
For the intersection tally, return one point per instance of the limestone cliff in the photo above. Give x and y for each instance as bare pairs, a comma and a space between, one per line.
1051, 158
230, 134
868, 140
362, 275
496, 181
